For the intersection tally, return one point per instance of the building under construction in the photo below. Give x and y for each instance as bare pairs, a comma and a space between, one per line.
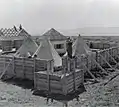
54, 74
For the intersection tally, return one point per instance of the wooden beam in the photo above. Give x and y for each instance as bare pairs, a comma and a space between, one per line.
13, 65
23, 67
90, 73
98, 65
5, 70
35, 82
105, 61
112, 57
48, 75
74, 73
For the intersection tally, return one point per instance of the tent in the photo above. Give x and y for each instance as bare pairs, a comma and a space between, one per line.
47, 52
80, 47
27, 49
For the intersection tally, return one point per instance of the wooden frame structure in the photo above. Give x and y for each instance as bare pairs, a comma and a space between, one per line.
64, 81
98, 60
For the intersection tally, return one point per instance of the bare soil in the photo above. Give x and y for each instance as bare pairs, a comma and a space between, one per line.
97, 95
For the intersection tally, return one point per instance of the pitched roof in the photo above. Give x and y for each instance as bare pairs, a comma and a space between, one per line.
12, 34
80, 47
47, 52
27, 49
52, 34
9, 32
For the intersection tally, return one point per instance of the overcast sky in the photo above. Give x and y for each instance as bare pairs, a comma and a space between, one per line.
36, 15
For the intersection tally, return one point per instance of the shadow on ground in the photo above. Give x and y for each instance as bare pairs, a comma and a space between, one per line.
60, 97
24, 83
28, 84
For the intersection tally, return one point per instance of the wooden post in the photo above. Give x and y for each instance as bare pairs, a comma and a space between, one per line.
87, 61
4, 63
64, 85
13, 65
48, 76
73, 72
23, 67
63, 77
35, 84
68, 64
52, 66
96, 59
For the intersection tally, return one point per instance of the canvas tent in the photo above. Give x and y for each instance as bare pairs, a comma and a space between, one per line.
80, 47
27, 49
47, 52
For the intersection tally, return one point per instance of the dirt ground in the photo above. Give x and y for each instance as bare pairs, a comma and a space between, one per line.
97, 95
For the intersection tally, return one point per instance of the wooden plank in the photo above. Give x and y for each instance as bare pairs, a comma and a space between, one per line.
112, 57
55, 82
56, 91
41, 85
29, 76
70, 83
40, 75
55, 86
99, 65
63, 82
70, 89
5, 70
41, 80
70, 86
105, 61
90, 73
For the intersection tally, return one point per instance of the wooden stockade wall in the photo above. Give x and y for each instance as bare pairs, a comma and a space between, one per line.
21, 67
42, 72
61, 84
110, 55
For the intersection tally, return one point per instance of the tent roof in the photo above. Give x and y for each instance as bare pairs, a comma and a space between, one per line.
27, 49
80, 47
47, 52
52, 34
